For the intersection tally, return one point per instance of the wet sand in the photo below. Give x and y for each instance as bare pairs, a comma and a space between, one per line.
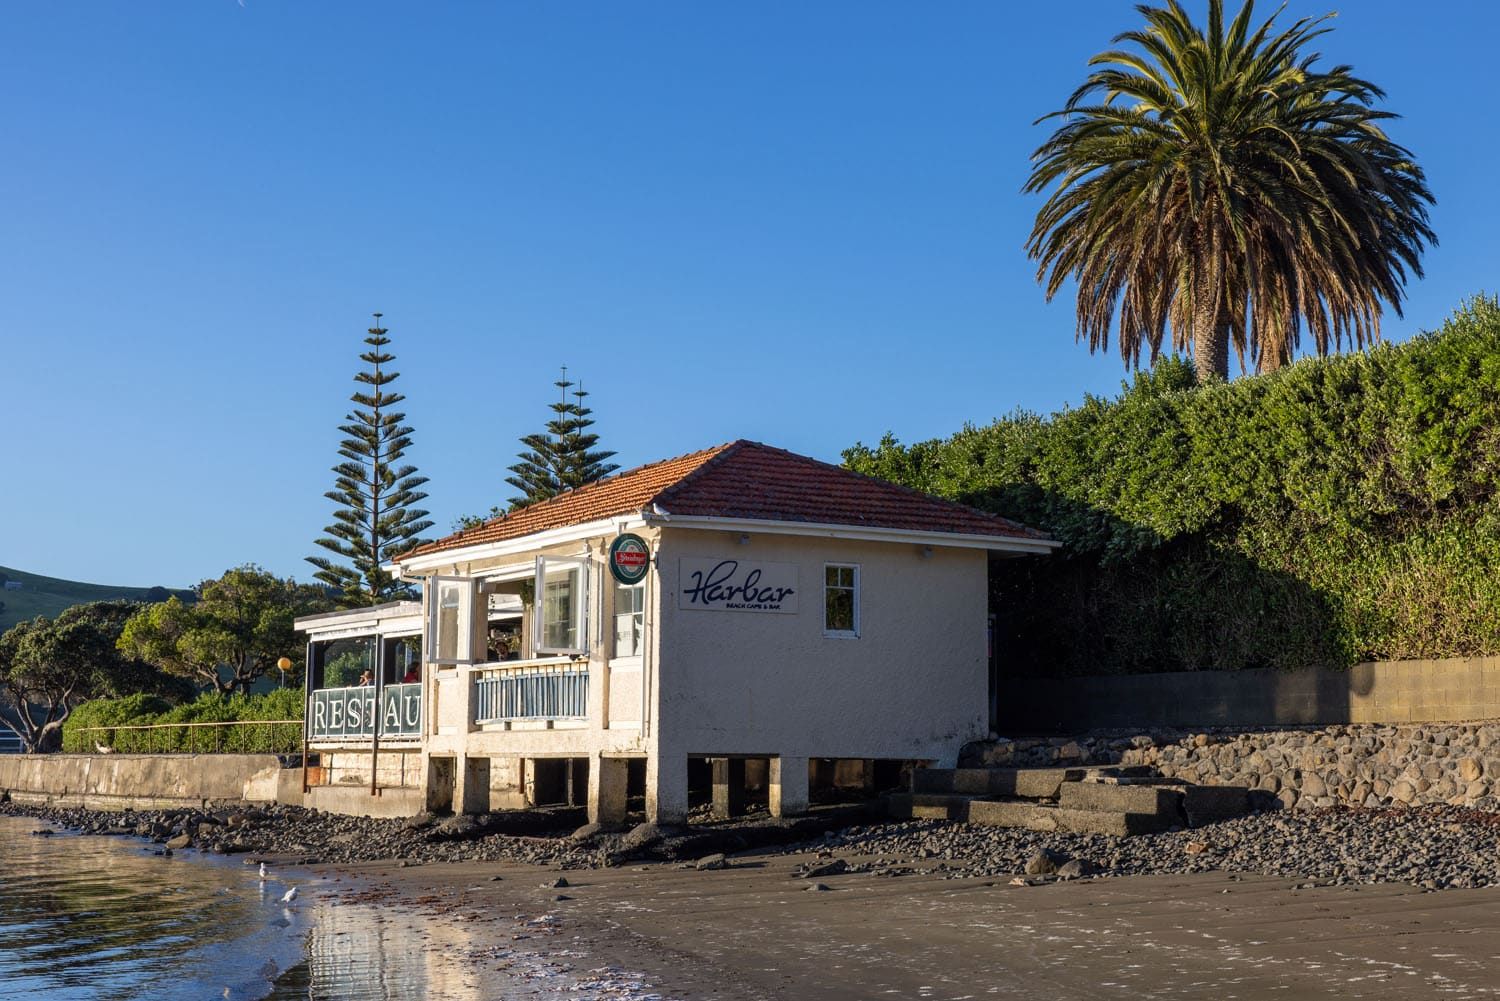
754, 932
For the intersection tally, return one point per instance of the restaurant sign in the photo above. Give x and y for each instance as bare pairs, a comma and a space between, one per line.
737, 585
629, 558
349, 713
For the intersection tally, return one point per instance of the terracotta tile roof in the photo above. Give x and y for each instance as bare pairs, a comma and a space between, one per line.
743, 479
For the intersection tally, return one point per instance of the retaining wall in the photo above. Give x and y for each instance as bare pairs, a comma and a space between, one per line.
147, 781
1408, 691
1371, 765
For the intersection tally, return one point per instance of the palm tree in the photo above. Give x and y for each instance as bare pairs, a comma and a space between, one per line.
1216, 184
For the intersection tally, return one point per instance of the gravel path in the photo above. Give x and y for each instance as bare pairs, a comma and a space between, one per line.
1433, 847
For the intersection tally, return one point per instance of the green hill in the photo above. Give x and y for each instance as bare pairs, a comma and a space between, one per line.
47, 596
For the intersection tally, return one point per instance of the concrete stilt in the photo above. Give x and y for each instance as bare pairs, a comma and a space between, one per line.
608, 779
788, 786
667, 789
729, 787
855, 773
473, 793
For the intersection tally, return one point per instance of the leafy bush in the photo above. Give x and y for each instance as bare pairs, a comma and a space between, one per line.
214, 707
1339, 510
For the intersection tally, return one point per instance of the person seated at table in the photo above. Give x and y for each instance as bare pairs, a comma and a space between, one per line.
366, 678
413, 673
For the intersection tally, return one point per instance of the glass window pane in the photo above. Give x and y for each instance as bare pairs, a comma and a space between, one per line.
449, 598
840, 609
559, 628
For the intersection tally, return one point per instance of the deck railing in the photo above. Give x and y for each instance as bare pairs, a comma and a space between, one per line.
349, 713
555, 690
245, 736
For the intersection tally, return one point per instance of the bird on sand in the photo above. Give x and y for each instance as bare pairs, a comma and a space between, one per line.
262, 870
289, 896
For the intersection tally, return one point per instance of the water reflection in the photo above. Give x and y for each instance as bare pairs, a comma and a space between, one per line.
86, 918
98, 917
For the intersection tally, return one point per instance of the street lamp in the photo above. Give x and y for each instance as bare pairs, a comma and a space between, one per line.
283, 665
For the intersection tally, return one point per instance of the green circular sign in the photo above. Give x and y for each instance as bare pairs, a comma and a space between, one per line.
629, 558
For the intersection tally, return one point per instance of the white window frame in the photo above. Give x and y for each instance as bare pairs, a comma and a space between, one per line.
465, 646
841, 634
580, 611
614, 619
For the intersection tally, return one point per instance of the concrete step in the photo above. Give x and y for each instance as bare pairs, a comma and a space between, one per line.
1043, 817
1165, 800
1025, 783
929, 806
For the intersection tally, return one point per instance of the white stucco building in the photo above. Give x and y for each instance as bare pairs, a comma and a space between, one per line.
739, 604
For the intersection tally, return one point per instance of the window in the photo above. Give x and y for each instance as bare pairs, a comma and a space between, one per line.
841, 601
448, 619
630, 617
561, 606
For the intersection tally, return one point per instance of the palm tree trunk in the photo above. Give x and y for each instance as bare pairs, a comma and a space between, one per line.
1210, 333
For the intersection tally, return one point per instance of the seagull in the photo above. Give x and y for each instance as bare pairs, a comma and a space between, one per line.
103, 748
262, 870
289, 896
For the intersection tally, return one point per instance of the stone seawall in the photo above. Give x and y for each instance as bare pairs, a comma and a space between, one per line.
146, 781
1371, 765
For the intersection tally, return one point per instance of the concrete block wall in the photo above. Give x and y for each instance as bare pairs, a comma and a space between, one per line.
1389, 692
140, 781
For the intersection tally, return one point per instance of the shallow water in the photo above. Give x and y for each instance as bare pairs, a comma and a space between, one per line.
84, 918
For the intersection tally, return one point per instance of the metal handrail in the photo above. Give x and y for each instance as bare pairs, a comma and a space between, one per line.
217, 730
527, 690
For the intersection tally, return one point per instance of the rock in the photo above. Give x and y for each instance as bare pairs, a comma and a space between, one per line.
562, 896
834, 868
457, 827
1195, 847
556, 884
715, 861
1076, 868
643, 836
419, 822
817, 887
180, 842
1469, 769
1041, 863
587, 832
1403, 791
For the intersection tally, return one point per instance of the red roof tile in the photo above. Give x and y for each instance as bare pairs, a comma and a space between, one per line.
747, 480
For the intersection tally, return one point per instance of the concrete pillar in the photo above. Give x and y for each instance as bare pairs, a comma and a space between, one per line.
608, 782
441, 777
507, 783
473, 792
667, 789
788, 786
855, 773
729, 787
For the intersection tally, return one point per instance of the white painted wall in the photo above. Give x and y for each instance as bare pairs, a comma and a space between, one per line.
913, 685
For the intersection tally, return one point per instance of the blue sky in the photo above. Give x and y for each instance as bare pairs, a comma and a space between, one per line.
800, 223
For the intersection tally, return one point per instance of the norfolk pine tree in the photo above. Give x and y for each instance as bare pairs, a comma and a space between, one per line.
377, 516
563, 456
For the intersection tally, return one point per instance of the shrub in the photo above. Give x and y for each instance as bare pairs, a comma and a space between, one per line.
213, 707
1338, 510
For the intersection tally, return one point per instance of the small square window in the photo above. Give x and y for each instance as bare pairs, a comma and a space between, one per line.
630, 616
841, 601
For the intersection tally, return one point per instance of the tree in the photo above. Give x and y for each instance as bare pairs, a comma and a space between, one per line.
377, 517
562, 457
49, 667
1216, 184
236, 631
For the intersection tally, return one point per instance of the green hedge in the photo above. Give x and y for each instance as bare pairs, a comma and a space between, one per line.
1342, 509
146, 710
